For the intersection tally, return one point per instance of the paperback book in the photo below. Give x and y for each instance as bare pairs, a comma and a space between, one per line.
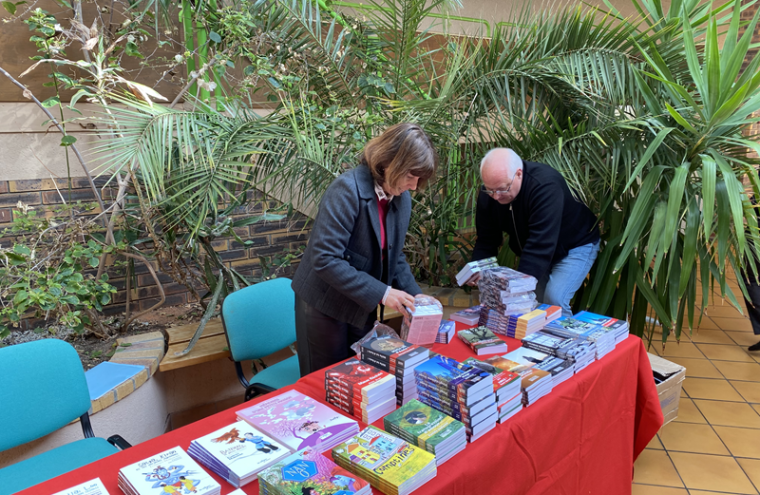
390, 464
446, 332
617, 327
171, 471
92, 487
309, 472
468, 316
298, 421
474, 267
482, 341
237, 452
421, 328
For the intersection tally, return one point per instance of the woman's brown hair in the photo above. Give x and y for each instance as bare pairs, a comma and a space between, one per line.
402, 149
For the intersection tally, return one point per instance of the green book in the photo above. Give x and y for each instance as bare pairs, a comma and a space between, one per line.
428, 427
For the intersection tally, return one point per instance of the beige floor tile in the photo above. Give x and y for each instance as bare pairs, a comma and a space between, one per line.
702, 492
699, 368
729, 413
734, 324
725, 352
742, 442
683, 393
752, 469
703, 336
745, 339
683, 349
688, 437
653, 467
655, 443
749, 372
657, 490
707, 388
718, 312
750, 390
705, 324
688, 412
712, 472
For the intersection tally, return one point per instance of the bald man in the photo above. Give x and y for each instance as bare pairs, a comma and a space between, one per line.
554, 235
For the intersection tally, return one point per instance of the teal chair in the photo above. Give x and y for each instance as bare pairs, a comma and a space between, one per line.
258, 321
42, 389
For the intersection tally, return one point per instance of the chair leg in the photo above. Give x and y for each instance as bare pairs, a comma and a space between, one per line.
256, 389
118, 441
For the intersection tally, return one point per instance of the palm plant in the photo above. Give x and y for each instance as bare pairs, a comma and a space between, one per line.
643, 121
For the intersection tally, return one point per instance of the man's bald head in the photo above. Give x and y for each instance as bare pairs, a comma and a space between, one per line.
501, 170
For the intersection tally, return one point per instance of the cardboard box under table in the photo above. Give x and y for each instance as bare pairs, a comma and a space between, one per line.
669, 390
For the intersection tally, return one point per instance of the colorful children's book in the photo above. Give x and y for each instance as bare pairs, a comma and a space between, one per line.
427, 428
171, 471
92, 487
390, 464
298, 421
308, 471
237, 452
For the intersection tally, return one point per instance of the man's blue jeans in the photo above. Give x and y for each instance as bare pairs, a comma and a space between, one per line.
566, 276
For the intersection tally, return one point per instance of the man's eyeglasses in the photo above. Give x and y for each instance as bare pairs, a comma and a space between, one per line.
500, 192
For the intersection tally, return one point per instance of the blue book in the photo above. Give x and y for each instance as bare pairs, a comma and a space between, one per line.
106, 376
463, 378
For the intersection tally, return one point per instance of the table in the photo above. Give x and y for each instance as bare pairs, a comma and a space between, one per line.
580, 439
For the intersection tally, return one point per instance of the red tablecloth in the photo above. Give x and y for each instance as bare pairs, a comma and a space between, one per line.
580, 439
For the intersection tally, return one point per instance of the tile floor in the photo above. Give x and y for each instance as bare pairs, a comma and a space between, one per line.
713, 446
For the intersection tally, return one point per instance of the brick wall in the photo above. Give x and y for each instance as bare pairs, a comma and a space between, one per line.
270, 238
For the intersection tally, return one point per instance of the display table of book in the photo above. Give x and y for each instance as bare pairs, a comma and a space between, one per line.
583, 437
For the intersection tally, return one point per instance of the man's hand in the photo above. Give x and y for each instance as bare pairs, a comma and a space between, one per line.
474, 280
400, 301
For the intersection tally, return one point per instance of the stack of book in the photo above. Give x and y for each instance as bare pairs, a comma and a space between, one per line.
429, 429
390, 464
506, 386
398, 358
460, 391
360, 389
534, 383
298, 421
571, 327
237, 452
473, 268
421, 328
482, 341
308, 471
445, 332
617, 327
468, 316
580, 352
559, 369
552, 312
507, 290
515, 326
171, 471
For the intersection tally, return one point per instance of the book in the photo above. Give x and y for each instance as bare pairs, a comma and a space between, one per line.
572, 327
237, 452
462, 378
390, 464
427, 428
170, 471
505, 383
298, 421
482, 341
446, 331
618, 327
393, 353
92, 487
360, 379
421, 328
494, 281
308, 471
468, 316
474, 267
552, 312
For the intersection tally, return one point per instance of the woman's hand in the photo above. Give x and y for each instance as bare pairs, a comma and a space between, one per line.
400, 301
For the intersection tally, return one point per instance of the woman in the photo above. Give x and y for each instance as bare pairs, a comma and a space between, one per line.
354, 260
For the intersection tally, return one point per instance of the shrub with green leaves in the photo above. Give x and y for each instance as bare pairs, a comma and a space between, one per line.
44, 271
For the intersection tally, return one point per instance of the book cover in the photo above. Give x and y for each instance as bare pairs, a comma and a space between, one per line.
390, 458
394, 351
358, 377
501, 378
453, 374
422, 422
482, 340
571, 326
92, 487
297, 420
309, 472
468, 316
170, 470
601, 320
242, 449
529, 377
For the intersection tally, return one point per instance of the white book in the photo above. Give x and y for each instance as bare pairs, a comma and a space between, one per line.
422, 327
241, 449
170, 468
92, 487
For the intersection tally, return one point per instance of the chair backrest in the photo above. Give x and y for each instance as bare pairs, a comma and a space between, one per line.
42, 388
260, 319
